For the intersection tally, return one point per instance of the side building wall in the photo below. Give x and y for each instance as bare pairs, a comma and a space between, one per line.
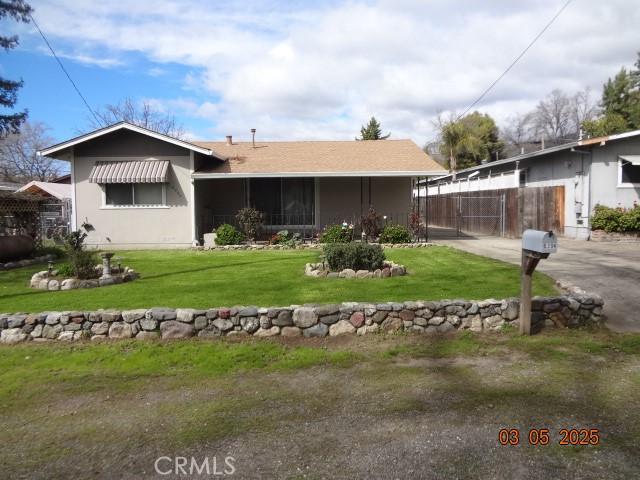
133, 227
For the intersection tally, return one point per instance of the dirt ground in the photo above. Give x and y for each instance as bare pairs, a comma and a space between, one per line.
409, 407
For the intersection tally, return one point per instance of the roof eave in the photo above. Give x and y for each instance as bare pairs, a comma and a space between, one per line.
49, 151
213, 175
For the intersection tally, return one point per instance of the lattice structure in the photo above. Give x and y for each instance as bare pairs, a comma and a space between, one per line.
20, 215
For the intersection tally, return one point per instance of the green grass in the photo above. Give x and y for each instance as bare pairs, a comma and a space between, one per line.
269, 278
85, 368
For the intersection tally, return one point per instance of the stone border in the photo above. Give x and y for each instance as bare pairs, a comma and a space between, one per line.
42, 281
304, 246
295, 320
389, 269
602, 236
27, 262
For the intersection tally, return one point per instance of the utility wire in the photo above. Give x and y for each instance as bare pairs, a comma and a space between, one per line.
515, 61
98, 122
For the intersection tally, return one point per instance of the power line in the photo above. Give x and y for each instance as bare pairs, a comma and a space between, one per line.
515, 61
98, 122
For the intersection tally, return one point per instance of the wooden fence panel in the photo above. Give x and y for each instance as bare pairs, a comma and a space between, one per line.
481, 212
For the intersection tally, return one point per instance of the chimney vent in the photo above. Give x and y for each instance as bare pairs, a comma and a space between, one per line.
229, 140
253, 137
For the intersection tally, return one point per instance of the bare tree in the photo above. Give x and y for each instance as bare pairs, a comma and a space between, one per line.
583, 108
552, 117
142, 114
518, 133
19, 161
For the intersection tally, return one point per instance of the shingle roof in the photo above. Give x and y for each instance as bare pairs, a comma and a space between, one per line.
328, 157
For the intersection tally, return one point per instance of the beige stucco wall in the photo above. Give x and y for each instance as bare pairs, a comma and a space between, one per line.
134, 227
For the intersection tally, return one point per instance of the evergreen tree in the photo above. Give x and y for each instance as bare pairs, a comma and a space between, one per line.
372, 131
620, 104
20, 11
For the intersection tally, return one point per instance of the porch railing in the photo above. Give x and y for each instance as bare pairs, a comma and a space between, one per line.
304, 224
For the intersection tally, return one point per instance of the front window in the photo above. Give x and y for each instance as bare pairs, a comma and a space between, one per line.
284, 201
629, 171
134, 194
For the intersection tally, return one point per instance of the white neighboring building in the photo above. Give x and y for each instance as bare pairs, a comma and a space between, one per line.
603, 170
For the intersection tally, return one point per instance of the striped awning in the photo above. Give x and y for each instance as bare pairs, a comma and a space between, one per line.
139, 171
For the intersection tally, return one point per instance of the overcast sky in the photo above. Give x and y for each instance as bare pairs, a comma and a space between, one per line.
314, 69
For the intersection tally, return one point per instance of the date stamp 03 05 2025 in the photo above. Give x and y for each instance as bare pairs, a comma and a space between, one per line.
542, 436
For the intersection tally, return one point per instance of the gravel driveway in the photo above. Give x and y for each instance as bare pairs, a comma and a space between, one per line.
611, 269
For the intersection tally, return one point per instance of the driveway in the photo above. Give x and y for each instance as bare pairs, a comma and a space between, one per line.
611, 269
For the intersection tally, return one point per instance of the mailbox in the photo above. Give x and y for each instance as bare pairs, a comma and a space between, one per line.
540, 242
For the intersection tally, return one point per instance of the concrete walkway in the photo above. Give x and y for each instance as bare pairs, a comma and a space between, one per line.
611, 269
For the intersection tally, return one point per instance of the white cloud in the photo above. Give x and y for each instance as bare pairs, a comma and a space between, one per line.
319, 70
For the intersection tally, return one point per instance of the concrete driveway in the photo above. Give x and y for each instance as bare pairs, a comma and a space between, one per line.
610, 269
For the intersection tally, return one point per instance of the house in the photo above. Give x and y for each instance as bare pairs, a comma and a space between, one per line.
603, 170
140, 189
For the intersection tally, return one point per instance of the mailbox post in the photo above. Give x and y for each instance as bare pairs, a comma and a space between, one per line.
536, 245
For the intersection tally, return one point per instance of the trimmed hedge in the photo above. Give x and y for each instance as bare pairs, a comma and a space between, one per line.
395, 234
356, 256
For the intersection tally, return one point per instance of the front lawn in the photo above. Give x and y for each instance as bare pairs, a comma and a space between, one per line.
179, 278
395, 406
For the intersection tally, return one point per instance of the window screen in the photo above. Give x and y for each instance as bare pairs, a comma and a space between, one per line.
119, 194
141, 194
147, 193
630, 172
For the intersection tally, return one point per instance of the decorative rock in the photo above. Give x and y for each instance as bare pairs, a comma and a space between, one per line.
268, 332
53, 318
131, 316
436, 321
362, 274
290, 332
347, 273
445, 327
318, 330
37, 331
392, 324
66, 336
250, 324
237, 333
368, 329
304, 317
340, 328
283, 319
453, 320
69, 284
224, 313
16, 321
200, 322
51, 331
111, 316
222, 324
248, 312
120, 330
357, 319
211, 313
148, 324
161, 314
265, 322
379, 316
419, 321
146, 335
386, 272
330, 319
185, 315
407, 315
511, 310
12, 335
173, 329
494, 322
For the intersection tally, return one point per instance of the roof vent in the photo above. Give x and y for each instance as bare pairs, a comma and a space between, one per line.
229, 140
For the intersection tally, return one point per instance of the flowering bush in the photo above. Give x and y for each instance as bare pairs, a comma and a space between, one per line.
250, 221
337, 234
284, 237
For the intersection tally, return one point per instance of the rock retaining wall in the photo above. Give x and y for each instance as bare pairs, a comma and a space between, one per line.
294, 321
389, 269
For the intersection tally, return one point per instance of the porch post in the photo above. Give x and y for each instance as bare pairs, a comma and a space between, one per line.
194, 233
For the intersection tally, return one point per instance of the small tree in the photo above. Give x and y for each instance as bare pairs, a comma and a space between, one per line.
81, 261
372, 131
250, 221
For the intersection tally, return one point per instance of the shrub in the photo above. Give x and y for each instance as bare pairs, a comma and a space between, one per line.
370, 224
284, 237
416, 224
56, 251
228, 235
65, 270
395, 234
357, 256
337, 234
616, 219
81, 261
250, 221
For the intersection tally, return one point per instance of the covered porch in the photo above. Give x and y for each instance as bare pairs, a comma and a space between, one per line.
304, 204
